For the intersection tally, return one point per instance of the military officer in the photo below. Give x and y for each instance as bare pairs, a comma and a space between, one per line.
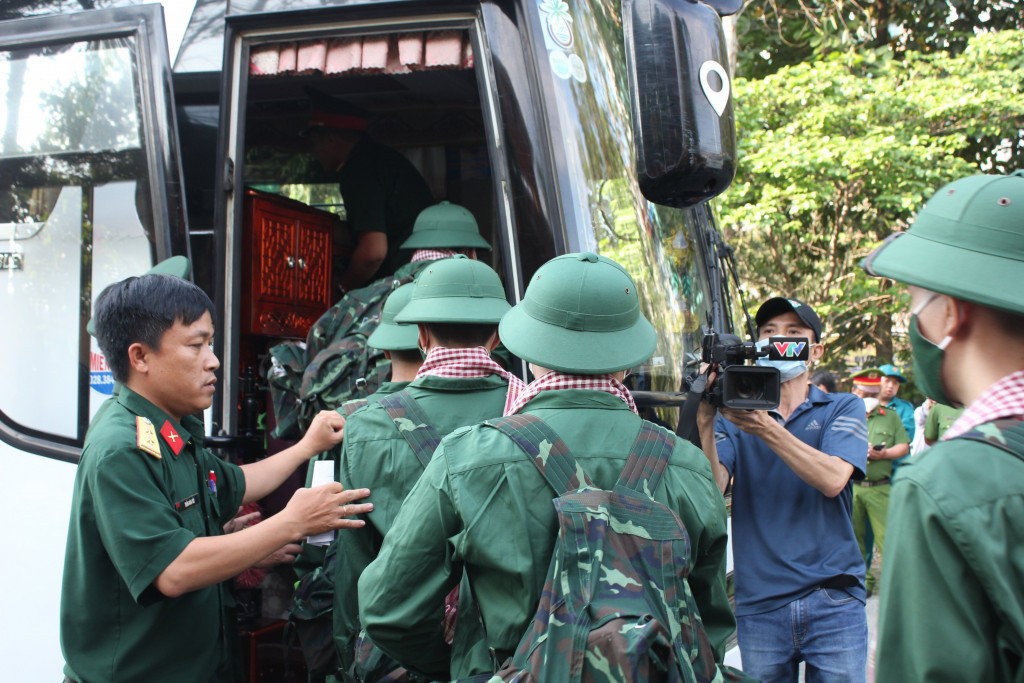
456, 304
146, 558
887, 440
482, 506
951, 607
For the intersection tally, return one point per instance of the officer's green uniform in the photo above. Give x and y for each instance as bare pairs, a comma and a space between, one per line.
489, 502
940, 418
132, 514
871, 495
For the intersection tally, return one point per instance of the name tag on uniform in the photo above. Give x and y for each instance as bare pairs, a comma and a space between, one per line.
183, 505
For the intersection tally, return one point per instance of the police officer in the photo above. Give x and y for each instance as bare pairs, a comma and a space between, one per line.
456, 304
951, 607
887, 440
146, 558
482, 506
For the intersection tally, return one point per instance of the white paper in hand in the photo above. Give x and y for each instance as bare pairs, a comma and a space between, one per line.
323, 473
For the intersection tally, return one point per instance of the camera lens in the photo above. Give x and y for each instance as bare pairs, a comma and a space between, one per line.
748, 386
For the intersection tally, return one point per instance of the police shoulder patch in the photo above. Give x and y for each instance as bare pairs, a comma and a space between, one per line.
145, 437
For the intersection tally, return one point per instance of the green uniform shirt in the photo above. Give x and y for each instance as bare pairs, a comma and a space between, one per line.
951, 607
131, 515
312, 556
376, 456
482, 506
940, 418
886, 427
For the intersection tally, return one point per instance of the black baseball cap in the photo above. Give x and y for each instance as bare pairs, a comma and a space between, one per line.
779, 305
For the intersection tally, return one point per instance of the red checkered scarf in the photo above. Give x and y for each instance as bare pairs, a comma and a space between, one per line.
1003, 399
558, 380
432, 254
475, 362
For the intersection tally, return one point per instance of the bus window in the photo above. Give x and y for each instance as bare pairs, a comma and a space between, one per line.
75, 215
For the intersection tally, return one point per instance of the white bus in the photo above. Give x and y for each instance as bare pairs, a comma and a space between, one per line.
563, 126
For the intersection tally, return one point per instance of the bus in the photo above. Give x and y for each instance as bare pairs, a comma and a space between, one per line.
562, 125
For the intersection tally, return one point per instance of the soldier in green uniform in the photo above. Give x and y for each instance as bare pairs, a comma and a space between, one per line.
951, 607
940, 418
482, 507
456, 304
400, 344
887, 440
143, 595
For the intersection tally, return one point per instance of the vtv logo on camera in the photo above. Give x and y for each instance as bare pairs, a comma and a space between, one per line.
788, 348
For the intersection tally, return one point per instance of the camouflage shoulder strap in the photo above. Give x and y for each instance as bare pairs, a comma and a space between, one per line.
546, 450
349, 407
648, 458
1007, 435
412, 424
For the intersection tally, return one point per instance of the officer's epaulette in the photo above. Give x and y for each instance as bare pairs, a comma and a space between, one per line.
145, 435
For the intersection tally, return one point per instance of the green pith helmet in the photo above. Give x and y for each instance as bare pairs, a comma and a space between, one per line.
967, 242
178, 266
389, 335
456, 290
445, 226
580, 314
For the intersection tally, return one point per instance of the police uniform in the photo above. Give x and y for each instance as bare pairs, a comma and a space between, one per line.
481, 507
940, 418
145, 488
871, 495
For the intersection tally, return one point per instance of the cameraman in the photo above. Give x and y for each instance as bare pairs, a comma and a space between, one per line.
799, 571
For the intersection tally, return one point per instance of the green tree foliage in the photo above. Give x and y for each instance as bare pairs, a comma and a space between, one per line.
838, 153
778, 33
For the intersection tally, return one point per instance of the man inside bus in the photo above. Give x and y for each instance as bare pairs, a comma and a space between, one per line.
799, 569
143, 595
382, 191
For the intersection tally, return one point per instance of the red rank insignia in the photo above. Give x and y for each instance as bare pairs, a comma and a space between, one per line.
172, 437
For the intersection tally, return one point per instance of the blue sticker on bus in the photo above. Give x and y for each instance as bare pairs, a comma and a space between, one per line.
100, 377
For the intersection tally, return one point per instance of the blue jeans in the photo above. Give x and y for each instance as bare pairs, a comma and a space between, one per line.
826, 629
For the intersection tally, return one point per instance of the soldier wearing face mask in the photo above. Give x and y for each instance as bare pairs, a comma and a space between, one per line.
799, 569
951, 607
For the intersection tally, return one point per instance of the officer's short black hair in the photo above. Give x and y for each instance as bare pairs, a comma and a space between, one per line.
141, 309
406, 355
461, 335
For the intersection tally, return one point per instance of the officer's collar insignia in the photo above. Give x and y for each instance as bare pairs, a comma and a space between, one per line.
173, 439
145, 437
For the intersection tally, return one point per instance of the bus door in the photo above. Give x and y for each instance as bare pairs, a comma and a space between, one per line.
90, 193
430, 83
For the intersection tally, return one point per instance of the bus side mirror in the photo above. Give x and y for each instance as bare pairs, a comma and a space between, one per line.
681, 99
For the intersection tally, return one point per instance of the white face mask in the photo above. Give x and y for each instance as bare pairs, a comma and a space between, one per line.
870, 404
788, 369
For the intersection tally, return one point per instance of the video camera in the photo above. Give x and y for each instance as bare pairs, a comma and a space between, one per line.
742, 386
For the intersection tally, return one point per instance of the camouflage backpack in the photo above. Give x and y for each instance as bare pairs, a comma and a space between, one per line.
616, 604
334, 364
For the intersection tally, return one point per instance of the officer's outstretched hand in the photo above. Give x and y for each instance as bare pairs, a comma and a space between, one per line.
324, 433
324, 508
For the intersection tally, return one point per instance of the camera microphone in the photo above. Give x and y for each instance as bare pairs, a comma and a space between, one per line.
787, 348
